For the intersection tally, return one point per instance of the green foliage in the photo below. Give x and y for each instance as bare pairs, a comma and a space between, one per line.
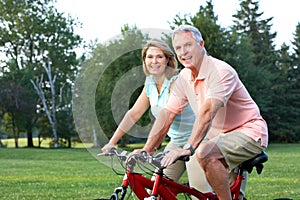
34, 34
18, 105
206, 21
116, 62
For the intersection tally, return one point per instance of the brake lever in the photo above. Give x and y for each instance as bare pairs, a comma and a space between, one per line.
143, 156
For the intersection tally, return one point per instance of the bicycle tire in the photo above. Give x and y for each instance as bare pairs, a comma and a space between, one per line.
102, 199
112, 197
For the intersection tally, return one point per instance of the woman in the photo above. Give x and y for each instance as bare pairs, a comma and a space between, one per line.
160, 68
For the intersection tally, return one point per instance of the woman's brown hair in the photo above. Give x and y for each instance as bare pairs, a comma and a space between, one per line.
171, 68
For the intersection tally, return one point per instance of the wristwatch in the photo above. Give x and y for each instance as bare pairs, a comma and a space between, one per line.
189, 147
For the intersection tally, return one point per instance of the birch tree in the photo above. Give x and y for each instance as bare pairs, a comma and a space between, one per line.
51, 108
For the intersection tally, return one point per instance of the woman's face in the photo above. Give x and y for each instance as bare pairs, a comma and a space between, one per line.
156, 61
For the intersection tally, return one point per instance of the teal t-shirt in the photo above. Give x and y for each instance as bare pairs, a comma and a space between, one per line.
181, 127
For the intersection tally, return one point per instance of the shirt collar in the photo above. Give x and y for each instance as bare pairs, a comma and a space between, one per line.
203, 73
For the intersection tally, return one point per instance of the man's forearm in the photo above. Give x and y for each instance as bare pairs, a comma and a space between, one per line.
203, 121
200, 129
159, 130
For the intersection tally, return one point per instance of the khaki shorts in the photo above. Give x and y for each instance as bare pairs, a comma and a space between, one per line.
236, 148
195, 173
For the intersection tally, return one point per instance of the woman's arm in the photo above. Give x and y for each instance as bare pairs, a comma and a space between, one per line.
131, 117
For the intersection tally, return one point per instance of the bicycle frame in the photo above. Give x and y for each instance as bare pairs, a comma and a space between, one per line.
162, 185
168, 189
138, 183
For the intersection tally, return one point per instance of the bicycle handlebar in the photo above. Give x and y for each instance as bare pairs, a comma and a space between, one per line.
132, 159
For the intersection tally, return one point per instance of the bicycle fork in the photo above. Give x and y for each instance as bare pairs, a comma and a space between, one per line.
120, 192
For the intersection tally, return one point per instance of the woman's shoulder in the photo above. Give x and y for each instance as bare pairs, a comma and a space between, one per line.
149, 80
173, 78
149, 85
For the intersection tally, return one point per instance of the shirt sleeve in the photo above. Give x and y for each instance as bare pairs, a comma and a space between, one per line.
222, 83
146, 84
177, 100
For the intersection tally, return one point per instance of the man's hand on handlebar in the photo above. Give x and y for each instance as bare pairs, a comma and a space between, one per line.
174, 155
135, 153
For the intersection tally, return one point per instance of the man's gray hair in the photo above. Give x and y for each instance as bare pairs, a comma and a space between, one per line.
188, 28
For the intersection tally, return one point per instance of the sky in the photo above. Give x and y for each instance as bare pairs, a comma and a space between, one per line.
103, 20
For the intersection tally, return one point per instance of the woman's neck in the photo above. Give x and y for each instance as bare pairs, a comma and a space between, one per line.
159, 80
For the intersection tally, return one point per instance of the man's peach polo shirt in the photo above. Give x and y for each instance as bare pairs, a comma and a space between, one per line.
219, 80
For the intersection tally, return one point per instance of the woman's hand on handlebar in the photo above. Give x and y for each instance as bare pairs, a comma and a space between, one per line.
107, 147
174, 155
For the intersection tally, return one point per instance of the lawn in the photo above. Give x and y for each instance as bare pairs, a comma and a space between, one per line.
28, 174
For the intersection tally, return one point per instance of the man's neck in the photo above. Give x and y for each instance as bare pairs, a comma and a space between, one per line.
196, 69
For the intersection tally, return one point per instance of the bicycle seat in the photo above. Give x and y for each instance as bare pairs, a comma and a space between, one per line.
256, 162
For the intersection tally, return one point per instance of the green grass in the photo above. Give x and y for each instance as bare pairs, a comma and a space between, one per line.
22, 142
28, 174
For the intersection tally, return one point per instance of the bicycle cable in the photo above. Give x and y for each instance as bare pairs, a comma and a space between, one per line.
113, 168
145, 169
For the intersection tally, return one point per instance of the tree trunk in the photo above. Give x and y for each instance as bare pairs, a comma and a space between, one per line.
40, 142
95, 137
51, 115
55, 137
15, 134
29, 139
69, 142
16, 142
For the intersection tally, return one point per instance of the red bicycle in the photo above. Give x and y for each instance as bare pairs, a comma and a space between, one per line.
162, 186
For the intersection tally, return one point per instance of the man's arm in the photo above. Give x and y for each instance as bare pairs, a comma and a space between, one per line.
159, 130
201, 127
204, 120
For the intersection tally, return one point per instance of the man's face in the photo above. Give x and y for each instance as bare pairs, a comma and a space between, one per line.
188, 50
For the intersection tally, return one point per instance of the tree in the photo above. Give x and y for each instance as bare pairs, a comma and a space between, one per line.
293, 79
248, 21
51, 109
18, 106
103, 83
33, 33
129, 47
207, 22
295, 67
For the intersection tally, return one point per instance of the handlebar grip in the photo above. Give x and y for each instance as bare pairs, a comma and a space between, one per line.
184, 158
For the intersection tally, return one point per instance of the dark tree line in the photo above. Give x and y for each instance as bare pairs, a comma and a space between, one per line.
34, 35
271, 75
